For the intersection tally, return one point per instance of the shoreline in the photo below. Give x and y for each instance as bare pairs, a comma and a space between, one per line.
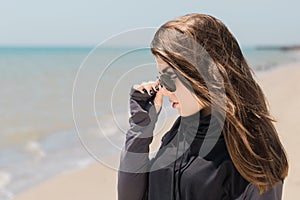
68, 184
97, 181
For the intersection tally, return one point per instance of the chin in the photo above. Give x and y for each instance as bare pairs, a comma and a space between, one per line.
179, 111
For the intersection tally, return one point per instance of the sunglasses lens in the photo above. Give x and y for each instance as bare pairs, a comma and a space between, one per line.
167, 82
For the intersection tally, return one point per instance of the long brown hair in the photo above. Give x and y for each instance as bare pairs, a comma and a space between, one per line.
251, 138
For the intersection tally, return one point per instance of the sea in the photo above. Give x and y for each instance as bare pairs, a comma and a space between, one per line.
64, 108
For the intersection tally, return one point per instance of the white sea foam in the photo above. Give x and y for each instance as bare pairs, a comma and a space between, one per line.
35, 148
6, 195
85, 162
5, 179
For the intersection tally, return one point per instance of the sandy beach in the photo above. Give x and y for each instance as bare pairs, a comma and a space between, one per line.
282, 89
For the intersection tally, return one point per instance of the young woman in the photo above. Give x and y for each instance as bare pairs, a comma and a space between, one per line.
223, 145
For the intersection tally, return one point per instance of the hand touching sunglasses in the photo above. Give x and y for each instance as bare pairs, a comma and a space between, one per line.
167, 81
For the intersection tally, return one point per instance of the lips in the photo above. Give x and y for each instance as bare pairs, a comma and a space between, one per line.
174, 103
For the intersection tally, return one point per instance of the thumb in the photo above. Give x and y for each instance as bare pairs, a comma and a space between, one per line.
158, 100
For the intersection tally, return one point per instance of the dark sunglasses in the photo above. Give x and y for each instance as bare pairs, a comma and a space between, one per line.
167, 81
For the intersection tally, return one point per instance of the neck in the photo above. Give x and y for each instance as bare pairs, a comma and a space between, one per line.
204, 112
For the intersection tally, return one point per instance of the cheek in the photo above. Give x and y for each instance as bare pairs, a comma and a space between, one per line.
185, 97
182, 95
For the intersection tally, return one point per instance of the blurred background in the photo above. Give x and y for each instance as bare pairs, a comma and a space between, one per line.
66, 68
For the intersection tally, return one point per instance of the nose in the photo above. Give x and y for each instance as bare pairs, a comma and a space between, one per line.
164, 91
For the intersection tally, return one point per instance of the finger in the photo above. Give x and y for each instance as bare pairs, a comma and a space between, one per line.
141, 90
148, 91
151, 82
144, 90
138, 88
155, 87
148, 87
145, 84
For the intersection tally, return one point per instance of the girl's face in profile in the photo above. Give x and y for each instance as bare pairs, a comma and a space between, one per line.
182, 99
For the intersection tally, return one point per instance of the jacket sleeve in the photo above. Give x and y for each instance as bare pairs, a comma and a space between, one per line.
134, 159
252, 193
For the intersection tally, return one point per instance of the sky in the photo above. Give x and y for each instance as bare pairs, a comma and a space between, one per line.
89, 22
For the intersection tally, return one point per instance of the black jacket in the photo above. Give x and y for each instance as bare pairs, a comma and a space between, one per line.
192, 161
